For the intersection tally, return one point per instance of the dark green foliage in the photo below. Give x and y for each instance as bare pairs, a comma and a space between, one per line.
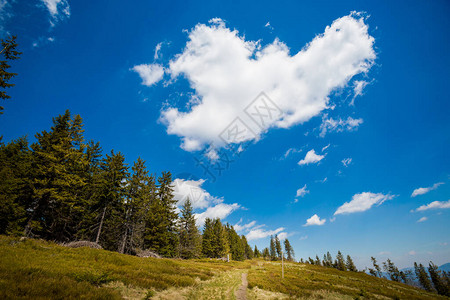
317, 261
266, 253
208, 238
289, 250
350, 265
272, 249
190, 239
237, 248
438, 280
422, 276
161, 232
247, 249
377, 270
340, 262
392, 270
15, 186
256, 252
9, 53
278, 247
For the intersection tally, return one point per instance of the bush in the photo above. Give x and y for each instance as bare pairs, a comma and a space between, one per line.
78, 244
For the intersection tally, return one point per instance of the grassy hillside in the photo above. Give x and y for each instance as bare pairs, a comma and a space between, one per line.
39, 269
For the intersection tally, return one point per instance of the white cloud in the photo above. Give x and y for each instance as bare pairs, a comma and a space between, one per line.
256, 234
434, 205
284, 235
58, 9
358, 87
192, 189
302, 238
227, 72
423, 219
315, 220
291, 151
346, 161
311, 158
412, 252
422, 191
302, 191
362, 202
326, 147
157, 49
244, 227
150, 74
384, 253
5, 15
221, 211
338, 125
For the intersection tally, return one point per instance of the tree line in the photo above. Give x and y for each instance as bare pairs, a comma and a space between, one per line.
63, 188
430, 279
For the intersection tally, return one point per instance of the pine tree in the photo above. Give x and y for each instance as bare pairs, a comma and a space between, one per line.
350, 265
247, 249
58, 165
9, 53
392, 270
422, 276
278, 247
234, 241
266, 253
272, 249
329, 260
289, 250
340, 262
438, 281
256, 252
377, 270
190, 238
220, 244
208, 238
15, 186
112, 196
136, 207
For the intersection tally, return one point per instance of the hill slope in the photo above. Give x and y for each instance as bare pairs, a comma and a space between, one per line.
39, 269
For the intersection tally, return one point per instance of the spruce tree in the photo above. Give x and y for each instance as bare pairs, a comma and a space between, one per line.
237, 249
377, 270
278, 247
9, 53
350, 265
221, 248
317, 261
208, 238
266, 253
422, 276
256, 252
190, 238
247, 249
15, 186
272, 249
437, 280
340, 262
289, 250
392, 270
58, 165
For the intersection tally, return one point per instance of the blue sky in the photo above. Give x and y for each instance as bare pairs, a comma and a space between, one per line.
163, 80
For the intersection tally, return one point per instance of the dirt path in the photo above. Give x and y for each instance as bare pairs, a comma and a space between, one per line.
241, 293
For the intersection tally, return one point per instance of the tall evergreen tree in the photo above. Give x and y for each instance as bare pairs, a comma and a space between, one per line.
161, 232
221, 248
237, 249
272, 249
278, 247
58, 163
15, 186
377, 270
340, 262
437, 280
247, 249
190, 239
422, 276
317, 261
256, 252
350, 265
266, 253
9, 53
289, 250
392, 270
208, 238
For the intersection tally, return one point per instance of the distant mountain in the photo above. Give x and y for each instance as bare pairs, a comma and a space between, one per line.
445, 267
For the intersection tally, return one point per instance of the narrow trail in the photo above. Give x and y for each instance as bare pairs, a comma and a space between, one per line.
241, 293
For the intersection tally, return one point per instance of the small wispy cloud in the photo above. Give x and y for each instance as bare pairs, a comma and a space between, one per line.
423, 219
423, 191
338, 125
433, 205
362, 202
58, 9
346, 161
301, 192
149, 73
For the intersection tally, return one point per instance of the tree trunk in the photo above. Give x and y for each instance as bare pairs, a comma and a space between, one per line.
100, 226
